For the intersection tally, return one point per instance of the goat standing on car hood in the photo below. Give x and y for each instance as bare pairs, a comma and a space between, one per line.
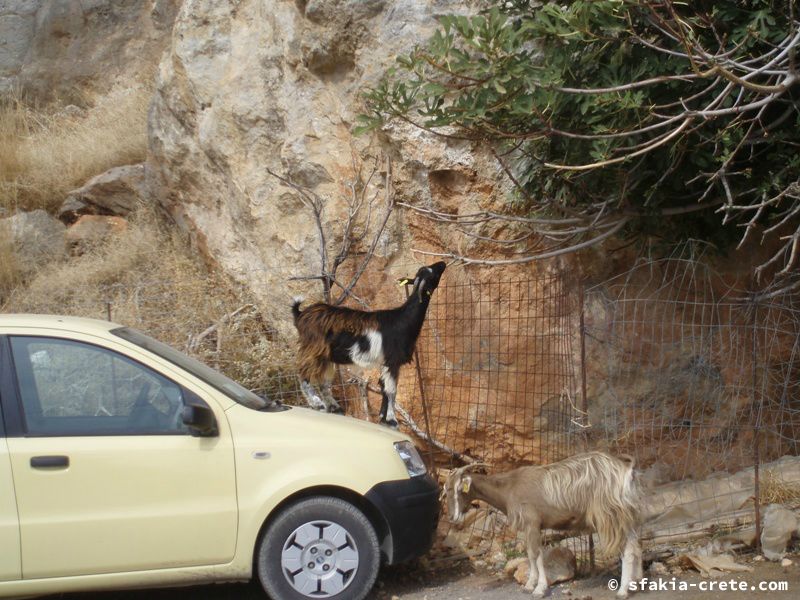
382, 339
587, 492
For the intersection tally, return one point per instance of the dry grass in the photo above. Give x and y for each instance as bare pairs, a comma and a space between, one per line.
773, 490
46, 152
148, 277
10, 274
151, 280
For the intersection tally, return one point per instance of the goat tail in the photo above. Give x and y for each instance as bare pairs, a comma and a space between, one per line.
296, 312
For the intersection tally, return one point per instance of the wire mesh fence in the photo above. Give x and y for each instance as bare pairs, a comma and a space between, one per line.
701, 384
497, 375
496, 370
667, 363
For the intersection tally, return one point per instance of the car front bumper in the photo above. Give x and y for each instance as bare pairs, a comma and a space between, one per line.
410, 508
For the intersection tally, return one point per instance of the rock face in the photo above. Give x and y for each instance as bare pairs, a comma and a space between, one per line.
37, 238
51, 46
248, 87
17, 24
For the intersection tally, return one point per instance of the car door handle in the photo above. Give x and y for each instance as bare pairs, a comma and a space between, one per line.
49, 462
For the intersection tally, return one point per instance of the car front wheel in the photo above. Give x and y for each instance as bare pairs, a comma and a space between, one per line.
320, 547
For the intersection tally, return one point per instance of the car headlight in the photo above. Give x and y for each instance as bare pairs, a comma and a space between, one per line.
411, 458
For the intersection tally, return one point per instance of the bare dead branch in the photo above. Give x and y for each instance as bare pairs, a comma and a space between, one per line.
529, 258
195, 340
355, 227
388, 209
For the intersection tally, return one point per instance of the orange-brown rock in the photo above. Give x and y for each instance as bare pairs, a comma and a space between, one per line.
90, 230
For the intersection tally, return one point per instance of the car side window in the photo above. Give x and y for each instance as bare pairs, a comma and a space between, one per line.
73, 388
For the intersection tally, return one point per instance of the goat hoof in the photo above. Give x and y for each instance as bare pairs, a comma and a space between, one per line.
337, 410
391, 424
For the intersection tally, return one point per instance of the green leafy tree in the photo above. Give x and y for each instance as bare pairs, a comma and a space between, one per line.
620, 116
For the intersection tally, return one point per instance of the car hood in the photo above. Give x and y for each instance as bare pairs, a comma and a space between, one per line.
300, 421
306, 448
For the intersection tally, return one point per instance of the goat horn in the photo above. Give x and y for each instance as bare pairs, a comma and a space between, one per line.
475, 465
460, 471
469, 467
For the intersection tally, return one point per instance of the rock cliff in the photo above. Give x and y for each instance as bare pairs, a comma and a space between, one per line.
55, 47
249, 87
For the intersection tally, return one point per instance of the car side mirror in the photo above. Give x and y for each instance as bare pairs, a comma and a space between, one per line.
199, 417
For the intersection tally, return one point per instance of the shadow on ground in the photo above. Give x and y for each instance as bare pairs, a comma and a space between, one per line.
461, 580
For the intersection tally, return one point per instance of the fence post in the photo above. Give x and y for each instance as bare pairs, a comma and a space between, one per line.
757, 400
584, 399
424, 402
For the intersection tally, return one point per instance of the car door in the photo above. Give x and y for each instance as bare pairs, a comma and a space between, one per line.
10, 563
107, 476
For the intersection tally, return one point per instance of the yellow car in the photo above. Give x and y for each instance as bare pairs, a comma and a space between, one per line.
126, 464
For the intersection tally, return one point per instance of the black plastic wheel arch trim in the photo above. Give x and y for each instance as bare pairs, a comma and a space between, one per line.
411, 510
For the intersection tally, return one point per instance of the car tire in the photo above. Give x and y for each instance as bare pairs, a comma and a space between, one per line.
320, 547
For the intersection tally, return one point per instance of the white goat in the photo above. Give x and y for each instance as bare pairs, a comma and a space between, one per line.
587, 492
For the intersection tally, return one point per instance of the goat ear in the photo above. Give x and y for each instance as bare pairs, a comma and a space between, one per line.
421, 287
466, 483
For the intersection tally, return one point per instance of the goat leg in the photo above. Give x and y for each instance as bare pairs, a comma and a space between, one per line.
384, 402
631, 565
541, 587
332, 405
389, 392
537, 578
312, 398
533, 570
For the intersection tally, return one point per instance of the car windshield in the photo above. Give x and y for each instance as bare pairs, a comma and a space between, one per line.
215, 379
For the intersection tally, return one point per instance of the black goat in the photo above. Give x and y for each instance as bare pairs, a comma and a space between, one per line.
369, 339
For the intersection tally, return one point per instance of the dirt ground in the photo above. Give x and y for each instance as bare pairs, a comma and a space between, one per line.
464, 582
460, 580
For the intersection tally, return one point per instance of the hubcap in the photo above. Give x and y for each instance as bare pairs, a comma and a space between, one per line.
319, 559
